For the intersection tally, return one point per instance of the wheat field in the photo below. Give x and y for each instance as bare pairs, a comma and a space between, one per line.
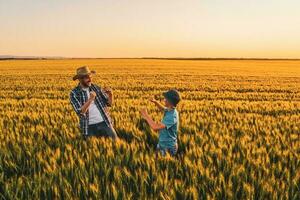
239, 134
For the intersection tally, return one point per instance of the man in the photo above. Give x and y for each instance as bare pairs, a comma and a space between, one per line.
90, 103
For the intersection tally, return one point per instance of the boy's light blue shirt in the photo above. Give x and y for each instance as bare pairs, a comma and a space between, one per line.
168, 135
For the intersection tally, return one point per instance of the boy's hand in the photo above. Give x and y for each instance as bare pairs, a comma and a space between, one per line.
153, 100
144, 113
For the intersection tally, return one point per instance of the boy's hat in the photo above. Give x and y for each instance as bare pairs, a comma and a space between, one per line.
172, 96
83, 71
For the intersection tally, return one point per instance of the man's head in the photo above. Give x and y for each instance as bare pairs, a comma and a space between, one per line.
172, 98
86, 80
84, 75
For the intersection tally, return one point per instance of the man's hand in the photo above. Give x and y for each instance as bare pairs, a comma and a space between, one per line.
107, 90
87, 104
109, 93
144, 113
92, 95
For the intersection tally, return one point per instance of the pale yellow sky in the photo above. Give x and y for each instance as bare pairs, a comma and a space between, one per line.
156, 28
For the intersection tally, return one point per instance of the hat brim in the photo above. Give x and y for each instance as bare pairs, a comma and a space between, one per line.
79, 76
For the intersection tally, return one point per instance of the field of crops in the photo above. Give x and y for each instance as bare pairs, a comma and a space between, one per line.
239, 134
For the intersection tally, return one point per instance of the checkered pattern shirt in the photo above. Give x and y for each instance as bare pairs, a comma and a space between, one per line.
78, 97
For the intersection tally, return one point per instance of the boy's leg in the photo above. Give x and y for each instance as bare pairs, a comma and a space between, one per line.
160, 150
173, 150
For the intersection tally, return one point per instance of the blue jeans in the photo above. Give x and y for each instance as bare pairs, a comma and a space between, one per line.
171, 150
102, 130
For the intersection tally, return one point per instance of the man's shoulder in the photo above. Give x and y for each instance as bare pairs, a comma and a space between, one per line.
98, 89
96, 86
75, 90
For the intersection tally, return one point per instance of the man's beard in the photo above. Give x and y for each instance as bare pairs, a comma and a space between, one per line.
86, 84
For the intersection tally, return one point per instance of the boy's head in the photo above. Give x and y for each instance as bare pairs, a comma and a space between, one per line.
172, 98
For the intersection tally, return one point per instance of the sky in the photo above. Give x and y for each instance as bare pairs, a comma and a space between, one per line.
150, 28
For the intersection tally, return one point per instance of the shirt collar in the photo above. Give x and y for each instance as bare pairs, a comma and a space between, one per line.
80, 88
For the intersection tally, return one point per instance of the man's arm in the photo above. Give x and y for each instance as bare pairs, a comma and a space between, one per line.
155, 126
109, 94
75, 103
158, 105
87, 104
78, 107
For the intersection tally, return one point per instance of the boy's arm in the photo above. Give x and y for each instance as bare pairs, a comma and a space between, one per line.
158, 105
155, 126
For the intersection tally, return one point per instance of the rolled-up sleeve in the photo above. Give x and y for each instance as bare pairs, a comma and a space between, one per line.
75, 103
169, 120
105, 99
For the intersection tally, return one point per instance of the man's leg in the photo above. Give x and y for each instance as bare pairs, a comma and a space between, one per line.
92, 130
95, 130
112, 133
109, 131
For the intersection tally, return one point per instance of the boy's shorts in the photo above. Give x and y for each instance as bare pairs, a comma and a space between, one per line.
171, 150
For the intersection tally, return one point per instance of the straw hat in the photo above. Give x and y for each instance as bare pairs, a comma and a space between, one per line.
83, 71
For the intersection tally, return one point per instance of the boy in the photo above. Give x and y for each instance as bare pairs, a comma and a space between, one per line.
168, 128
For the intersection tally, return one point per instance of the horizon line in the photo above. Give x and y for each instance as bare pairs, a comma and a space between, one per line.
11, 57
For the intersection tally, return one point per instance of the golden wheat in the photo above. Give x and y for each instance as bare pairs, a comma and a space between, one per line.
239, 134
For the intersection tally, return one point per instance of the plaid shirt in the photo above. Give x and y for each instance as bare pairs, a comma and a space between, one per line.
78, 97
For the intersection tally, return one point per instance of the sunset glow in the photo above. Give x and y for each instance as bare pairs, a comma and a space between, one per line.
139, 28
